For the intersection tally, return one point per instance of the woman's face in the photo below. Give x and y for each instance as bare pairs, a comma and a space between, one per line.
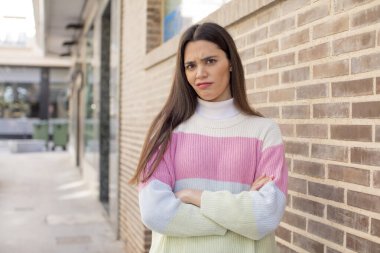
207, 70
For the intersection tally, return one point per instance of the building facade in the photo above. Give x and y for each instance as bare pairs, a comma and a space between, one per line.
94, 102
311, 65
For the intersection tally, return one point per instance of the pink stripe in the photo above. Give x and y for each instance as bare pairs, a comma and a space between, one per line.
165, 170
231, 159
272, 162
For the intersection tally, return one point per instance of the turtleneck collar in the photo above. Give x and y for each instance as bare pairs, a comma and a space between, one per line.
217, 110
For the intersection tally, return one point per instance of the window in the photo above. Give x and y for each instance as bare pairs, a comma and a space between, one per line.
167, 18
180, 14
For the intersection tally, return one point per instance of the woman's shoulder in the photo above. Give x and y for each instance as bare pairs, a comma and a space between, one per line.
265, 128
260, 122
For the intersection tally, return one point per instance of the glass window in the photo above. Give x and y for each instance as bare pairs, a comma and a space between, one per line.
180, 14
90, 138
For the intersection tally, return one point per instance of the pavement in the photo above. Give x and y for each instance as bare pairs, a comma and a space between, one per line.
45, 207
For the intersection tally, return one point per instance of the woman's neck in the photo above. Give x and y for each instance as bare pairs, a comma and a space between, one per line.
216, 110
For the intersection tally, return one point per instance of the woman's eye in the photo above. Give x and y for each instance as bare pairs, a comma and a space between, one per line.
189, 67
210, 61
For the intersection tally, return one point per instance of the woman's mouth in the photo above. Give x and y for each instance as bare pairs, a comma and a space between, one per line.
204, 85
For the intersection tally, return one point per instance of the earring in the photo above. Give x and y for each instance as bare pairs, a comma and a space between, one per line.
230, 69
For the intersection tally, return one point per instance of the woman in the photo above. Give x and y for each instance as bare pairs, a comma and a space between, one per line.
212, 172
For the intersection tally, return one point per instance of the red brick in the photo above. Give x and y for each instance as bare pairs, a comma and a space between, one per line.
290, 6
378, 82
282, 95
352, 88
283, 249
294, 220
366, 17
250, 83
257, 36
331, 69
267, 80
281, 26
258, 97
326, 232
306, 243
312, 91
330, 250
267, 15
267, 48
375, 227
297, 148
289, 200
327, 192
308, 206
365, 63
270, 111
313, 14
367, 156
331, 110
295, 39
245, 26
241, 42
297, 185
284, 233
282, 60
361, 245
376, 179
312, 131
363, 200
351, 132
330, 27
314, 53
295, 75
312, 169
296, 112
366, 109
247, 54
354, 43
344, 5
347, 218
329, 152
257, 66
349, 174
287, 129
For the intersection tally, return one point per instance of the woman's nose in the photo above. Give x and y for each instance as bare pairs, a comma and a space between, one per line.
201, 72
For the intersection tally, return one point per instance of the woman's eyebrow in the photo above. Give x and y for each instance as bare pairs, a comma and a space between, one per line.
208, 58
189, 62
203, 59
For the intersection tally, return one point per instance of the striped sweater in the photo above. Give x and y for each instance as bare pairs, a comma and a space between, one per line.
219, 151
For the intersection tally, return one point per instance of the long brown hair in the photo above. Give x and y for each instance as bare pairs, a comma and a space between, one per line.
182, 99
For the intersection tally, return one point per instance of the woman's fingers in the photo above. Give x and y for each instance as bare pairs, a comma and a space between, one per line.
261, 181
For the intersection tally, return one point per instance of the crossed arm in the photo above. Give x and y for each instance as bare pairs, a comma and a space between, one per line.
192, 196
190, 212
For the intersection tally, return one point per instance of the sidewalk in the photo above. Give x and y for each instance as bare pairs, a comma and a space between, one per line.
46, 208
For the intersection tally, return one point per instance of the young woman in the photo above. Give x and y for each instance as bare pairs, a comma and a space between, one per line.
212, 172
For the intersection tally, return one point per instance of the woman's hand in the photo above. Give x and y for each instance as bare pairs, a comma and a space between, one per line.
260, 182
190, 196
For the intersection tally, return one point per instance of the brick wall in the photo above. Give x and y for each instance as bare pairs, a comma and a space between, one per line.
153, 24
313, 66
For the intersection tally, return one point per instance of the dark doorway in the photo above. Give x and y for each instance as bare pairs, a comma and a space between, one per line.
104, 128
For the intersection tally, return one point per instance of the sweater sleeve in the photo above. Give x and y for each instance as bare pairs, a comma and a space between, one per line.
254, 214
162, 212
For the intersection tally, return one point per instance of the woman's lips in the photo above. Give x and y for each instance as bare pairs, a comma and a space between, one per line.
203, 86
